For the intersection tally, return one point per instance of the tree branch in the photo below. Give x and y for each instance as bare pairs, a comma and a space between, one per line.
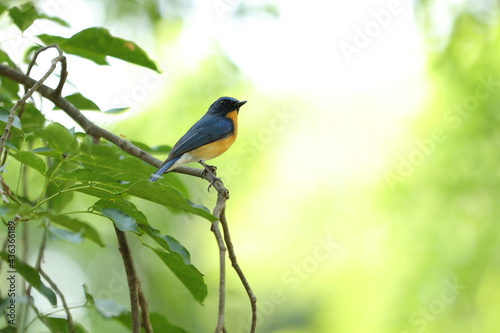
239, 271
223, 194
5, 191
143, 302
222, 276
132, 279
98, 132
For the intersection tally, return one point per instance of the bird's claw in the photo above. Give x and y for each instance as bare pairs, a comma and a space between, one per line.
215, 179
209, 169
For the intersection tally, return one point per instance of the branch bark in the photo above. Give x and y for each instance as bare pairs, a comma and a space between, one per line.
5, 190
132, 279
143, 302
98, 132
239, 271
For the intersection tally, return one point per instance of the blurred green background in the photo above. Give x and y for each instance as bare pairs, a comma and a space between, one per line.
365, 179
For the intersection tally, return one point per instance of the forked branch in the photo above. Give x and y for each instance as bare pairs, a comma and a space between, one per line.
138, 300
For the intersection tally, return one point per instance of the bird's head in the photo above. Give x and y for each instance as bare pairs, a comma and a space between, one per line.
224, 105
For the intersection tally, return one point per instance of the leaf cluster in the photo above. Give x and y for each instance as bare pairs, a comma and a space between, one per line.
68, 163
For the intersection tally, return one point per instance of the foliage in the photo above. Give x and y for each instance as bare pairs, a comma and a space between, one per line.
69, 163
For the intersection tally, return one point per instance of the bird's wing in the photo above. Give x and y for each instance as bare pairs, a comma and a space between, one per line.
207, 130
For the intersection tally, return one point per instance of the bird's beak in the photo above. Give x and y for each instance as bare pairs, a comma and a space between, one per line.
239, 104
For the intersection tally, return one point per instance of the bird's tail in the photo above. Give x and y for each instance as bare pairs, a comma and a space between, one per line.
164, 168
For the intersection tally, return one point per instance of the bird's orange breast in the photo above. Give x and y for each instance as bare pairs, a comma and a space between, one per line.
217, 148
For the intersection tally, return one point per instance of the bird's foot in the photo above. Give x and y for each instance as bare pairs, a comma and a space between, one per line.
215, 179
211, 170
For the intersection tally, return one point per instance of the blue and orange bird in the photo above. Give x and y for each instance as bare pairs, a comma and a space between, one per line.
208, 138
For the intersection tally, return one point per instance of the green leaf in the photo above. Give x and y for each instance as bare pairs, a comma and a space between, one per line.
164, 149
159, 192
59, 138
7, 86
187, 274
54, 19
97, 43
62, 199
106, 308
167, 242
158, 322
61, 325
9, 329
88, 297
123, 221
32, 277
116, 110
177, 259
6, 208
4, 117
168, 196
43, 151
4, 57
63, 234
87, 175
108, 158
17, 137
81, 102
129, 175
101, 191
161, 324
32, 119
176, 256
23, 16
11, 146
125, 206
31, 160
2, 9
109, 308
77, 226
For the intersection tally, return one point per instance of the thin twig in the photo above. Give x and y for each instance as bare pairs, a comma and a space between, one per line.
222, 196
12, 114
28, 94
132, 279
64, 66
222, 278
54, 286
239, 271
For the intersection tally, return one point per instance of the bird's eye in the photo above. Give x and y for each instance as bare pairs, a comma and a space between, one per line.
222, 102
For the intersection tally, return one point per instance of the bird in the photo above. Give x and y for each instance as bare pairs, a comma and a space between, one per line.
208, 138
